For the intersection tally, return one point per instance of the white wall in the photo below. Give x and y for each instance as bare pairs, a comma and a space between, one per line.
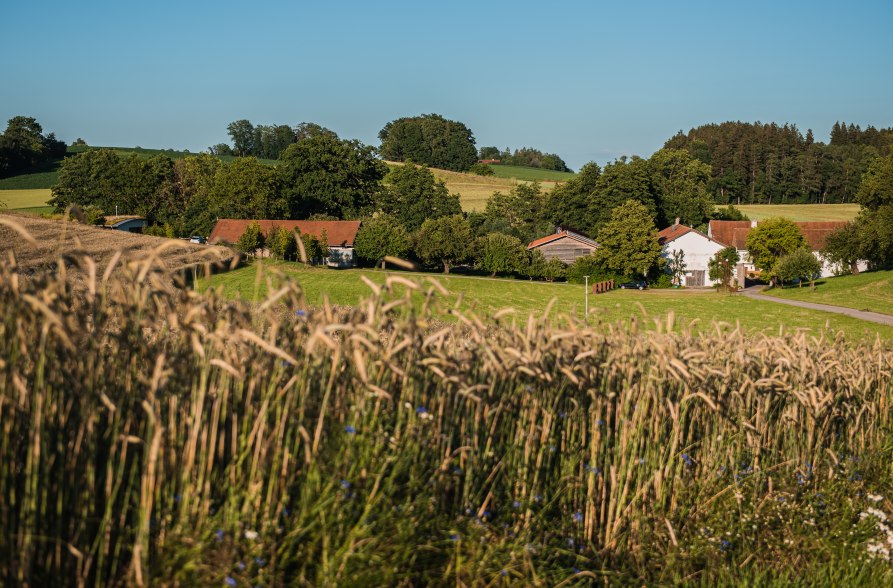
698, 249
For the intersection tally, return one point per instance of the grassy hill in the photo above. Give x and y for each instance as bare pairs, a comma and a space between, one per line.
802, 212
868, 291
484, 295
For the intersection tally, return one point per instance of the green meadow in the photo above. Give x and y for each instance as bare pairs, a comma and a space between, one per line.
867, 291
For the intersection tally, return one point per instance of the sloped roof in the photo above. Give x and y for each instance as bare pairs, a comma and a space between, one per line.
563, 234
672, 233
112, 220
339, 233
734, 233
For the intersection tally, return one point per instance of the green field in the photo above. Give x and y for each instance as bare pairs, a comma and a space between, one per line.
802, 212
868, 291
530, 173
486, 296
18, 199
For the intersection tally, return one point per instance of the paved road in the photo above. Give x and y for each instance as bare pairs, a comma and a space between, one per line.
874, 317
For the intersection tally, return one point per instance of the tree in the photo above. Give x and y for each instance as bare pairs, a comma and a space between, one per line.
489, 153
500, 254
249, 189
567, 205
799, 265
520, 213
447, 240
627, 243
677, 266
251, 240
845, 247
379, 237
770, 240
681, 187
412, 194
429, 139
281, 243
876, 188
722, 266
322, 174
23, 146
620, 181
242, 134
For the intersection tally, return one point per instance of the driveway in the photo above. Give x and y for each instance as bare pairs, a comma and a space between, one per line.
874, 317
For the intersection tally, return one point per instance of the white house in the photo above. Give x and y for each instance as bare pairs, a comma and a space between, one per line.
698, 249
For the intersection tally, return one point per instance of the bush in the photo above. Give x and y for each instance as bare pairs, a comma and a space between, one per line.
251, 240
589, 266
663, 281
481, 169
500, 254
282, 243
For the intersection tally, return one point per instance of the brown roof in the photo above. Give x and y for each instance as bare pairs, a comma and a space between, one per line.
339, 233
554, 237
734, 233
672, 233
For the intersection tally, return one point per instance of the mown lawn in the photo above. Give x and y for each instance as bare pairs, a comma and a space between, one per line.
868, 291
802, 212
32, 198
485, 296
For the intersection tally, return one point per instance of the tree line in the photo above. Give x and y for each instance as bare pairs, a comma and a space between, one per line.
764, 163
525, 157
24, 147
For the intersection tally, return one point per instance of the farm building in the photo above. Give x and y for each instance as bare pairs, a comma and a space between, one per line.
131, 224
734, 234
339, 234
697, 247
564, 245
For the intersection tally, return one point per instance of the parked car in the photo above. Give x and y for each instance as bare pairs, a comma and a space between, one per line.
633, 285
197, 239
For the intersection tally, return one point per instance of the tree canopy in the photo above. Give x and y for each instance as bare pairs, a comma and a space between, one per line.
381, 236
627, 242
412, 194
770, 240
23, 146
429, 139
446, 240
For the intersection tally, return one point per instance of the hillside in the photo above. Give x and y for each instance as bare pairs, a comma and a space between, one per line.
871, 291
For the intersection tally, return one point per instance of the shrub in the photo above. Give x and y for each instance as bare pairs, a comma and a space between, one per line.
282, 244
500, 254
380, 237
251, 240
481, 169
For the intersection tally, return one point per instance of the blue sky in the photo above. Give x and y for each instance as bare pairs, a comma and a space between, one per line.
587, 80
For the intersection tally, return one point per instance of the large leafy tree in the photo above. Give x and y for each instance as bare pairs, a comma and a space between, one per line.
722, 266
412, 194
620, 181
770, 240
681, 187
447, 240
520, 213
429, 139
567, 205
24, 146
380, 237
876, 188
627, 242
798, 265
322, 174
243, 136
500, 254
249, 189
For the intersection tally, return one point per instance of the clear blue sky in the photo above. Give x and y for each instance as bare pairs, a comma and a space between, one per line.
587, 80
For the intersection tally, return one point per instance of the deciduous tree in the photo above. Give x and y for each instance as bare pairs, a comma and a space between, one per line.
447, 240
770, 240
379, 237
627, 243
412, 194
500, 254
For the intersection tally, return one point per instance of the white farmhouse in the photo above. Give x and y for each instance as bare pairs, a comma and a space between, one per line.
698, 248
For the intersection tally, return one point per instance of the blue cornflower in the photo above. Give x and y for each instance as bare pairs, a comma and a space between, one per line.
457, 470
562, 415
504, 573
488, 514
575, 570
538, 497
230, 581
600, 422
578, 517
345, 484
516, 504
421, 410
300, 313
261, 562
219, 534
454, 537
687, 459
350, 429
241, 565
725, 545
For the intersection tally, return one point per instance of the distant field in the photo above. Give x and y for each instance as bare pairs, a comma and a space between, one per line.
802, 212
345, 288
43, 180
868, 291
15, 199
530, 173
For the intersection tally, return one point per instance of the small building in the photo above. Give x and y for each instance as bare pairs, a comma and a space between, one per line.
698, 249
734, 234
564, 245
129, 223
340, 235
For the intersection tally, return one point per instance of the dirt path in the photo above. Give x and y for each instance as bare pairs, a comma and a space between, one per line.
874, 317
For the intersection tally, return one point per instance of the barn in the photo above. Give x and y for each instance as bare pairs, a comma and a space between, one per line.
564, 245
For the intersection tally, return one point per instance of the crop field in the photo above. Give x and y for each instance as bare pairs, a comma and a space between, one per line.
474, 190
868, 291
32, 198
802, 212
482, 295
158, 436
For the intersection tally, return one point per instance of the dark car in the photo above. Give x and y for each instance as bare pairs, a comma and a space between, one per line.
633, 285
197, 239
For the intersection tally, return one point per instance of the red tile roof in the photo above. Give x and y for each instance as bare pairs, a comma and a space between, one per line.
554, 237
734, 233
672, 233
339, 233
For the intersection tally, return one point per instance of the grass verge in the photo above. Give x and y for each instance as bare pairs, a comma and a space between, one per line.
868, 291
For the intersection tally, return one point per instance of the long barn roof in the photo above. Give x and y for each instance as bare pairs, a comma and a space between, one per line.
563, 234
734, 233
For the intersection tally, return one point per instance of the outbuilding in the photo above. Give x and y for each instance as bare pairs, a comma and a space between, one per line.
129, 223
564, 245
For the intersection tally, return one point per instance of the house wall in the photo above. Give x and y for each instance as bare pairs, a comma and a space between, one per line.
698, 250
340, 257
566, 249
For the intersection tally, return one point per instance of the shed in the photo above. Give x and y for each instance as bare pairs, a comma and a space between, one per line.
129, 223
564, 245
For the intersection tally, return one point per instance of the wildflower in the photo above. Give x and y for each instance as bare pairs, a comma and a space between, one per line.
641, 461
562, 415
875, 497
504, 573
488, 514
578, 517
516, 504
300, 313
571, 542
457, 470
600, 422
251, 535
454, 537
241, 565
230, 581
219, 534
345, 484
350, 430
261, 562
177, 498
725, 545
575, 570
687, 459
538, 497
421, 410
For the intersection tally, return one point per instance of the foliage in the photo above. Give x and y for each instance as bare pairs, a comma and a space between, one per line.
249, 189
447, 240
530, 157
481, 169
770, 240
412, 194
663, 281
225, 439
322, 174
627, 243
381, 236
518, 213
845, 247
721, 268
680, 184
500, 254
568, 204
876, 188
281, 243
589, 265
619, 182
23, 146
251, 240
676, 266
91, 215
728, 213
316, 249
799, 265
431, 140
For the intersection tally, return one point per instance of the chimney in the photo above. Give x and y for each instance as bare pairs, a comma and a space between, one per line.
676, 222
753, 223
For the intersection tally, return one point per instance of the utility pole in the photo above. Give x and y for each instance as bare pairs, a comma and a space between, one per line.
586, 316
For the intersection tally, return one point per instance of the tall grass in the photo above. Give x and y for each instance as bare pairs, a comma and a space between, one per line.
155, 435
